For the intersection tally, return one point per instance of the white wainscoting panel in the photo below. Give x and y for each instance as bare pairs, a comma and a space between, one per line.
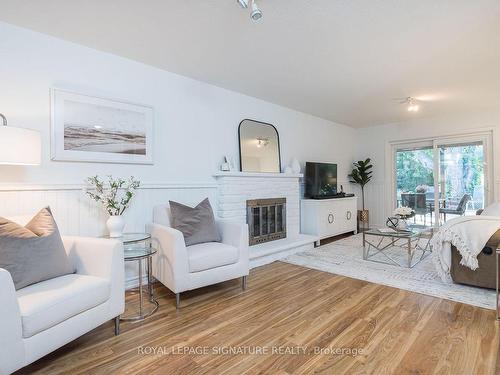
77, 215
376, 202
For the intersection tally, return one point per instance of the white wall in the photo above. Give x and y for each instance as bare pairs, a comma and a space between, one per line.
196, 125
373, 142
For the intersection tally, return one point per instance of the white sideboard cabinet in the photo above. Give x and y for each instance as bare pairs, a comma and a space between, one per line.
328, 217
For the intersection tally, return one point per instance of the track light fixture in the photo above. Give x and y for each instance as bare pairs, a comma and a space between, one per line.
243, 3
256, 14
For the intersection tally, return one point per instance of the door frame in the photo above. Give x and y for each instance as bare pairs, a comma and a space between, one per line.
484, 135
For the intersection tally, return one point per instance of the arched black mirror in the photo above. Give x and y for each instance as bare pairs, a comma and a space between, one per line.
259, 147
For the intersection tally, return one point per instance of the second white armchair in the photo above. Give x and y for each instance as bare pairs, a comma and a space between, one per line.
181, 268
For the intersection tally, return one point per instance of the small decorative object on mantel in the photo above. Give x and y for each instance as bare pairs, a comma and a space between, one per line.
225, 166
115, 195
288, 170
295, 165
361, 174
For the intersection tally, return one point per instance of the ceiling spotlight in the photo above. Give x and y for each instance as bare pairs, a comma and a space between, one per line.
243, 3
256, 12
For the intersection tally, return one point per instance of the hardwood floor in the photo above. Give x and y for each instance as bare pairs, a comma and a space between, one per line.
299, 311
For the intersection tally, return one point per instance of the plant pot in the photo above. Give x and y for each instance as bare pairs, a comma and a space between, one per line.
364, 216
115, 226
363, 219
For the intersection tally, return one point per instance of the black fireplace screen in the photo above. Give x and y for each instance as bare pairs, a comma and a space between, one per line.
266, 220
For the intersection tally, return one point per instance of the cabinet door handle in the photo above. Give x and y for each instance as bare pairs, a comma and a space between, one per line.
349, 215
330, 218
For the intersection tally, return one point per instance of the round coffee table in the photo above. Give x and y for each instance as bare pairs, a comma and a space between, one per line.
137, 247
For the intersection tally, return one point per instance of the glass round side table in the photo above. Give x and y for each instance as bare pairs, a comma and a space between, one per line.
137, 247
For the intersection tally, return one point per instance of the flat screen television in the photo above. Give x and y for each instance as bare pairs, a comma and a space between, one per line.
321, 180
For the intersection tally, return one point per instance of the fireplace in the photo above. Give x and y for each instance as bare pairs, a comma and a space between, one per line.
266, 220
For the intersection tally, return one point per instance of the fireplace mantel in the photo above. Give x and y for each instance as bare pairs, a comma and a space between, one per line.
256, 174
234, 189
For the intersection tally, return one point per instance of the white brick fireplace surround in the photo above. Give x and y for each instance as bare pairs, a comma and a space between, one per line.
233, 191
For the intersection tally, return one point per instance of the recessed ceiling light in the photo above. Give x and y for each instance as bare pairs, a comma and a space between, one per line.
411, 103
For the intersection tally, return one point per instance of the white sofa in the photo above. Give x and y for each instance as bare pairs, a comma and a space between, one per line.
42, 317
181, 268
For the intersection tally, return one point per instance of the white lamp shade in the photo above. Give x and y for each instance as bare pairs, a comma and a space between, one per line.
19, 146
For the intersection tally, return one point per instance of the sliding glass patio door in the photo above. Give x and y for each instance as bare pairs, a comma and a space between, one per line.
414, 176
442, 178
462, 178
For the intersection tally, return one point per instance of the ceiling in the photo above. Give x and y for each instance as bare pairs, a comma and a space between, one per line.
342, 60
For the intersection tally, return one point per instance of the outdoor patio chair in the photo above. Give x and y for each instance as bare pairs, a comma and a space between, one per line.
459, 210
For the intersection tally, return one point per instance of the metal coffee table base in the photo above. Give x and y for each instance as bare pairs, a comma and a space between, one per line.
410, 244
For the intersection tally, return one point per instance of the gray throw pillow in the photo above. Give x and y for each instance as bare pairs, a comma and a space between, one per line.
35, 252
197, 224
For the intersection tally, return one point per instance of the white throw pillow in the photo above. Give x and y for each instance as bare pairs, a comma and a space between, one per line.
492, 210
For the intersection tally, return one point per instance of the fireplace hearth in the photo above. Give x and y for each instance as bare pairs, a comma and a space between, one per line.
266, 220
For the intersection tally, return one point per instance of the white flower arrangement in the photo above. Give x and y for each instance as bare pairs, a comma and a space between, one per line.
115, 195
404, 212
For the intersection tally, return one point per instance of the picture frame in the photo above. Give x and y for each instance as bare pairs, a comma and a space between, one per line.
86, 128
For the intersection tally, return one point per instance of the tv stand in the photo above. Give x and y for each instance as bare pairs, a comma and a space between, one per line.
328, 217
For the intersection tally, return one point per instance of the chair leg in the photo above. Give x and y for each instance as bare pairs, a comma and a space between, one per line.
244, 283
117, 326
177, 300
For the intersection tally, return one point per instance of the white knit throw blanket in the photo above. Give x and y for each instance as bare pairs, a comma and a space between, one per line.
469, 234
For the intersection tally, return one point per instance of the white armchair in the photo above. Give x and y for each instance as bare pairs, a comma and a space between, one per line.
42, 317
181, 268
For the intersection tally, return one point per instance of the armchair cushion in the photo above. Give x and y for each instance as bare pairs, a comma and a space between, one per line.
197, 224
34, 252
210, 255
48, 303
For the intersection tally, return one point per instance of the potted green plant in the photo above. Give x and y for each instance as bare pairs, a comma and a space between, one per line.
115, 196
361, 175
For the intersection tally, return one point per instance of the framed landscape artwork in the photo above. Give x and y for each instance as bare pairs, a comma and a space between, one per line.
91, 129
